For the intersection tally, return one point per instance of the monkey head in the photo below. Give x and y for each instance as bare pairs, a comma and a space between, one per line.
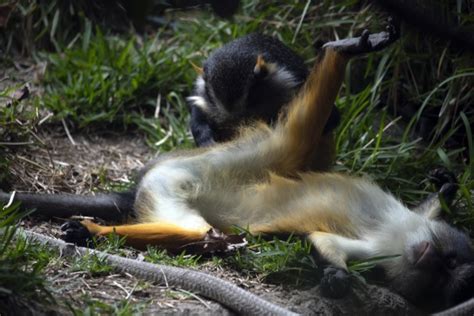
436, 266
250, 78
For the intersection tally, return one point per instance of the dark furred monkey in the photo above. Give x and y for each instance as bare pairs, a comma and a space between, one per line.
248, 79
259, 181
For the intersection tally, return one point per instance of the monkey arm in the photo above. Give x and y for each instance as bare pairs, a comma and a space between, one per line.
170, 236
200, 128
337, 250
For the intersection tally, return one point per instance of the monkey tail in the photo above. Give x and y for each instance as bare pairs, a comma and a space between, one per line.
111, 206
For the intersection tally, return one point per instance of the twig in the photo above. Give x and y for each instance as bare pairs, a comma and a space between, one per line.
196, 297
10, 201
122, 288
68, 133
15, 143
32, 162
158, 105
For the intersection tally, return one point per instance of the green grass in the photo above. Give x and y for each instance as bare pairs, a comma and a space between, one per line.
16, 123
92, 264
372, 141
282, 261
21, 265
160, 256
97, 78
120, 83
95, 307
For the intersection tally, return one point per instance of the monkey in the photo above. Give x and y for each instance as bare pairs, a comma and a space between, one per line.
250, 78
261, 181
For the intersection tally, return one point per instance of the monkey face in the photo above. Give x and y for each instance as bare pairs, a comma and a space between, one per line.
228, 81
437, 271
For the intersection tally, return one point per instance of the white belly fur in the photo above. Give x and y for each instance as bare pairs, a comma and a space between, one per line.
171, 187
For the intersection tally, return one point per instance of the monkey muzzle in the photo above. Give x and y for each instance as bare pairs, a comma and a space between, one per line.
425, 255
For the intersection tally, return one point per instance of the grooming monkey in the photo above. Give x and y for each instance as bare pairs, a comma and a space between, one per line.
248, 79
258, 181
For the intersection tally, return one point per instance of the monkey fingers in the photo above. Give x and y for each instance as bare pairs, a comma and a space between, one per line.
216, 241
335, 282
76, 233
445, 182
448, 192
367, 42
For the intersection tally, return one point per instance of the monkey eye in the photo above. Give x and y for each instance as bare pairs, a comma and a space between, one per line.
450, 260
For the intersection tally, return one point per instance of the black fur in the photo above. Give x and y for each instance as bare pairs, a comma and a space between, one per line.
451, 262
229, 76
335, 283
74, 232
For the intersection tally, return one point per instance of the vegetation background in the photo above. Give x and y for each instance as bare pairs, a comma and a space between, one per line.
106, 68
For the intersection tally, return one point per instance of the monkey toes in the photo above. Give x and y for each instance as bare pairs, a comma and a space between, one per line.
445, 182
335, 282
367, 42
74, 232
441, 176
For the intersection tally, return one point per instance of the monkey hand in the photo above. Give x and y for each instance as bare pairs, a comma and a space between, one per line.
216, 241
74, 232
367, 42
445, 182
335, 282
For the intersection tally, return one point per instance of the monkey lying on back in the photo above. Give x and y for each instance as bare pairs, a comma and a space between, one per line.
258, 182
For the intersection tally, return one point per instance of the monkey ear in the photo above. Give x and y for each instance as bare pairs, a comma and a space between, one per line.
261, 67
199, 70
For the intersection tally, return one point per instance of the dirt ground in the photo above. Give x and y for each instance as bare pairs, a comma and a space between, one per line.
83, 163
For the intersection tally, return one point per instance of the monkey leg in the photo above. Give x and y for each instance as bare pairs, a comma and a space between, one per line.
301, 136
337, 250
299, 141
166, 235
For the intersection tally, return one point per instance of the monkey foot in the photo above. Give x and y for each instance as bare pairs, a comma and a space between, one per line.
441, 176
367, 42
74, 232
335, 282
216, 241
445, 182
